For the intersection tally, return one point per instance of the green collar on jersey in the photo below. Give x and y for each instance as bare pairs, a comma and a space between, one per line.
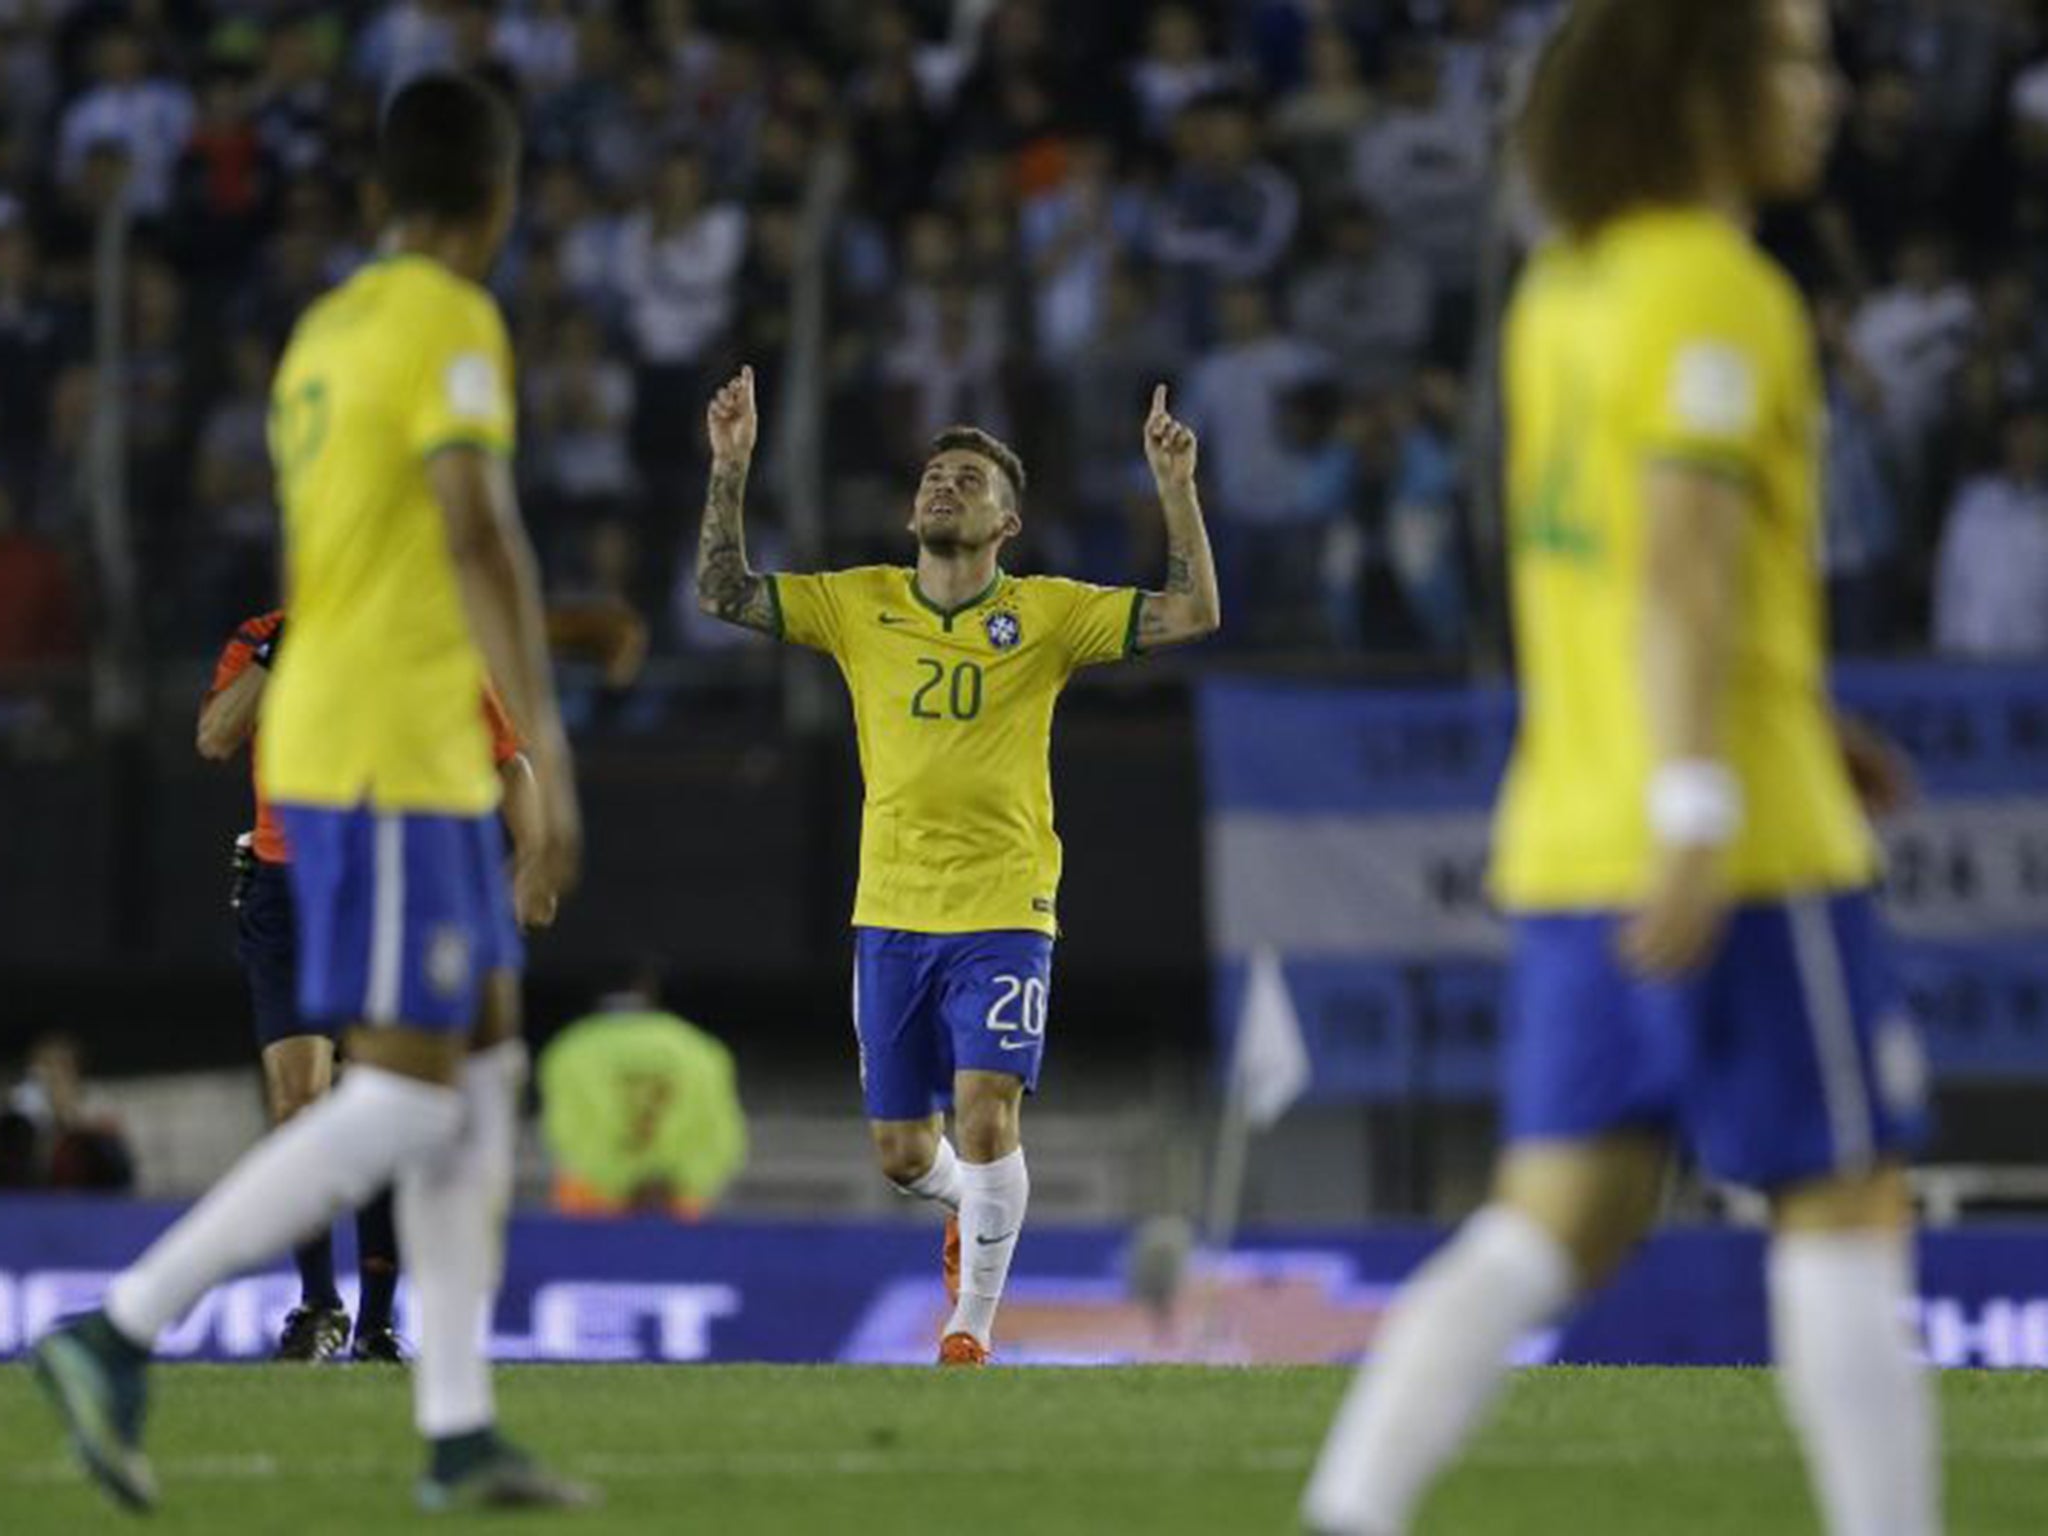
948, 615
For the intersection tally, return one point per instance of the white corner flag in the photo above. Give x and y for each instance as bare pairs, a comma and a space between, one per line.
1270, 1067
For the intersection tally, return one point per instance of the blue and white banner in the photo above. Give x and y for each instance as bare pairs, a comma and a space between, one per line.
653, 1292
1348, 830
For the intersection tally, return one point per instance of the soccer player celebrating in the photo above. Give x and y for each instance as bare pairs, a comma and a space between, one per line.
954, 667
409, 581
298, 1056
1696, 954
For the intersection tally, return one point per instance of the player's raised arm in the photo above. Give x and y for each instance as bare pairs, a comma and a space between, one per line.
1188, 608
501, 592
727, 587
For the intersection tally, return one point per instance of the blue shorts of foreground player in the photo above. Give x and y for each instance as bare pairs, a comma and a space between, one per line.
926, 1005
1788, 1058
401, 915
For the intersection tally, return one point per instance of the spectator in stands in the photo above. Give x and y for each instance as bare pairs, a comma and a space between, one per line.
1236, 398
75, 1147
1367, 299
1226, 216
1316, 126
147, 114
406, 38
1425, 165
31, 343
1914, 336
1072, 235
1863, 527
226, 181
1175, 70
237, 527
537, 42
580, 404
1884, 183
897, 142
677, 266
562, 215
592, 614
159, 387
1134, 347
1991, 597
946, 371
296, 91
1424, 537
40, 622
630, 146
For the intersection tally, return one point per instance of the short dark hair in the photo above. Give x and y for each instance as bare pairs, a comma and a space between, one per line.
988, 446
1629, 98
448, 144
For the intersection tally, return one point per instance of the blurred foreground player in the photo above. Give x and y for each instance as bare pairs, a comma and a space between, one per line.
1697, 957
954, 667
298, 1055
409, 581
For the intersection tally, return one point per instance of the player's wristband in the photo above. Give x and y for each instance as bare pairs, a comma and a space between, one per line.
1695, 803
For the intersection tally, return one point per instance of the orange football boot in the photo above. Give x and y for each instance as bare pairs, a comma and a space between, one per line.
962, 1349
949, 1261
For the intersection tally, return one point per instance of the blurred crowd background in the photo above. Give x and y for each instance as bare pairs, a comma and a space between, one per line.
1019, 214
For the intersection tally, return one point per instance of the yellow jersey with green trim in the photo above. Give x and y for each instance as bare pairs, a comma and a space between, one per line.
953, 714
1668, 337
373, 697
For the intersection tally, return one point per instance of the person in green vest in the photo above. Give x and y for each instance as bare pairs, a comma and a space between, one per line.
641, 1111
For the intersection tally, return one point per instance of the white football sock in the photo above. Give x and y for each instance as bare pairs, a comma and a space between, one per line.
1434, 1368
941, 1181
1860, 1401
328, 1159
992, 1201
451, 1229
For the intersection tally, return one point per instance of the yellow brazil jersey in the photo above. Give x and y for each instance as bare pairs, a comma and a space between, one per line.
1668, 337
953, 712
374, 697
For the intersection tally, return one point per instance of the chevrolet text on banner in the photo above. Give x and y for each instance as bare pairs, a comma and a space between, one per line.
1347, 832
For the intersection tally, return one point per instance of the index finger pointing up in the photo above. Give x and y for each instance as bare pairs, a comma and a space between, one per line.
1159, 400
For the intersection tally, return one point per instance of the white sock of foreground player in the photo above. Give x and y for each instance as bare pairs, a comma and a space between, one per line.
451, 1229
940, 1182
1861, 1403
992, 1200
1434, 1369
327, 1160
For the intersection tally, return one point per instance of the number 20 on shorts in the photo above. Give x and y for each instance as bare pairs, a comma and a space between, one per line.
1017, 1017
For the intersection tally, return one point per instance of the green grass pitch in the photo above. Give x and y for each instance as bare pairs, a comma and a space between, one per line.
750, 1451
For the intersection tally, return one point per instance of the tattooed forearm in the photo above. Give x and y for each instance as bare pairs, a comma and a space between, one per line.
1186, 608
726, 587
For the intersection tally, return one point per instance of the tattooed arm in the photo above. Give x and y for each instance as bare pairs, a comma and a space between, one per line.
727, 587
1188, 609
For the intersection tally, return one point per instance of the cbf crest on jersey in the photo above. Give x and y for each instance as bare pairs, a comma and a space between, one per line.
1004, 629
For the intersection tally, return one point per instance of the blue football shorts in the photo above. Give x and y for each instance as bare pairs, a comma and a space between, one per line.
927, 1005
401, 915
1789, 1057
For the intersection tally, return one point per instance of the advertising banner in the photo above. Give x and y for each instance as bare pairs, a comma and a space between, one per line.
1347, 832
653, 1292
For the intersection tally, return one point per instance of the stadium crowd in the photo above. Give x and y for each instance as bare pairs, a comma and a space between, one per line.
1286, 207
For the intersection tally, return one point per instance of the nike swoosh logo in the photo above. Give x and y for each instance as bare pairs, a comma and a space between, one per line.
891, 618
1016, 1045
984, 1242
